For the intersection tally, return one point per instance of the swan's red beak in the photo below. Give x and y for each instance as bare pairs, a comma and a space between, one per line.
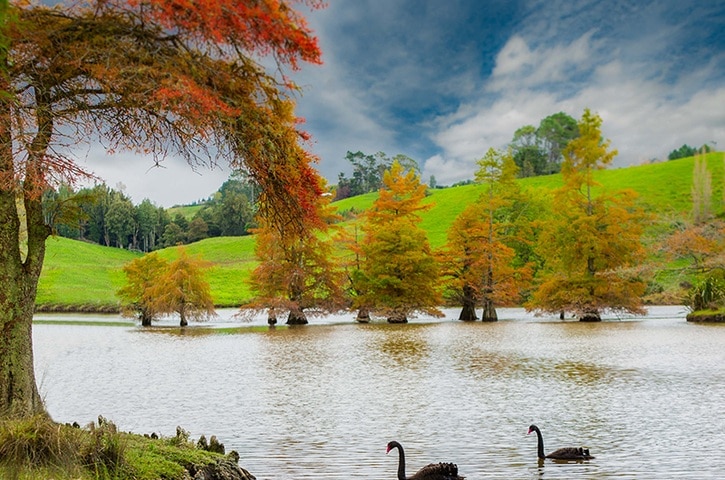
387, 449
529, 431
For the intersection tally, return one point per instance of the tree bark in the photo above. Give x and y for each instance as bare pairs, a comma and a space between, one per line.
363, 315
19, 273
489, 311
296, 317
468, 312
19, 395
590, 316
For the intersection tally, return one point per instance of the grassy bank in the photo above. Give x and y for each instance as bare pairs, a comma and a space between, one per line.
37, 448
79, 276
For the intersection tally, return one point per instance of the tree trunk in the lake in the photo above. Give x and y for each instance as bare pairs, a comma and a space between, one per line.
590, 316
296, 317
271, 317
398, 318
182, 315
468, 313
363, 315
489, 311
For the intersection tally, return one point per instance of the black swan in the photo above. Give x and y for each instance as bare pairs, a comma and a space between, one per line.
566, 453
434, 471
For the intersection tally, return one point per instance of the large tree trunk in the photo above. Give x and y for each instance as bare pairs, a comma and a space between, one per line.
363, 315
19, 273
468, 313
18, 286
489, 311
296, 317
590, 316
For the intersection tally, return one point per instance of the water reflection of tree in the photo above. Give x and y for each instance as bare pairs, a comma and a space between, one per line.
405, 347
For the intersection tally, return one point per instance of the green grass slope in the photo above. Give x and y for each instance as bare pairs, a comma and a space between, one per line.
79, 275
82, 276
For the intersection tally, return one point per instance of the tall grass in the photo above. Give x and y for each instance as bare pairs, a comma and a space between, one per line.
36, 447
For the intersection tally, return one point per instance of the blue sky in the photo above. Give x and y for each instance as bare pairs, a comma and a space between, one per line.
444, 80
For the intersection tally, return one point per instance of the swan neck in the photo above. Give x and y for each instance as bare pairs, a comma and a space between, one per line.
540, 443
401, 463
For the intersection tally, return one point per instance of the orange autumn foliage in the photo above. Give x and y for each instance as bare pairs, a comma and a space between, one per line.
155, 77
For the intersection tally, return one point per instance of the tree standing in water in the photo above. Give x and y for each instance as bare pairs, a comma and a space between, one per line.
592, 237
297, 270
398, 274
478, 263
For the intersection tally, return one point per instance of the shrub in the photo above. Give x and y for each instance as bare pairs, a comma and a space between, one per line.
709, 294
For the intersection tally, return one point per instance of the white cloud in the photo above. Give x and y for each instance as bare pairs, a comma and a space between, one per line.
518, 66
644, 116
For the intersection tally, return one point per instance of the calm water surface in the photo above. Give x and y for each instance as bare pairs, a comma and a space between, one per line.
646, 395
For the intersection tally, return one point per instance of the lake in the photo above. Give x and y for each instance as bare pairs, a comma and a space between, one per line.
646, 395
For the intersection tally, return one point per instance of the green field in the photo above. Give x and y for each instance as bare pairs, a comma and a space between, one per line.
83, 276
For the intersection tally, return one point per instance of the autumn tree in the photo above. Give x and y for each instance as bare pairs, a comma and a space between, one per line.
159, 77
477, 260
701, 245
142, 274
591, 238
297, 271
182, 289
398, 274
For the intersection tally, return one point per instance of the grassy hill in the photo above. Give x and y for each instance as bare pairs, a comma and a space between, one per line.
81, 276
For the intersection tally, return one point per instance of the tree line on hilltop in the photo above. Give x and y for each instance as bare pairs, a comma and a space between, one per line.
106, 216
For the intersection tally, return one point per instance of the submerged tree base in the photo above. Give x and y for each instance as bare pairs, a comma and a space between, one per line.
363, 316
297, 317
468, 314
489, 313
590, 317
398, 318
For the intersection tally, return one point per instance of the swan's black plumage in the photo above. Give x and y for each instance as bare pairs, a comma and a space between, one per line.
434, 471
566, 453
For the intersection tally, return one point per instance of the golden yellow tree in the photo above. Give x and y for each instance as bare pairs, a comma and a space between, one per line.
398, 274
141, 275
592, 237
182, 289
